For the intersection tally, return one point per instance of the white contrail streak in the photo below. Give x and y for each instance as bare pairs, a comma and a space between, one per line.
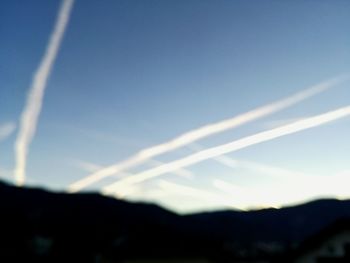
6, 130
204, 131
236, 145
31, 112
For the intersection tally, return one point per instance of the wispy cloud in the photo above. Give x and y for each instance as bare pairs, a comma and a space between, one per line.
266, 169
237, 145
87, 166
273, 170
129, 188
31, 112
6, 130
92, 167
205, 131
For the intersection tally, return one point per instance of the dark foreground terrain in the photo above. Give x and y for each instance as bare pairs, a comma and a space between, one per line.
40, 226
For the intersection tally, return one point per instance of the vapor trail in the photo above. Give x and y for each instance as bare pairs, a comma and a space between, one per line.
204, 131
31, 112
235, 146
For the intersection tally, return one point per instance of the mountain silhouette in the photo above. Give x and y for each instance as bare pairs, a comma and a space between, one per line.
288, 225
42, 226
81, 226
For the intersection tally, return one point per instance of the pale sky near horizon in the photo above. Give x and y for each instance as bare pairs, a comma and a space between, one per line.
133, 74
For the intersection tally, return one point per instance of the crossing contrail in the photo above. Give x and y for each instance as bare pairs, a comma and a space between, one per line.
31, 112
235, 146
204, 131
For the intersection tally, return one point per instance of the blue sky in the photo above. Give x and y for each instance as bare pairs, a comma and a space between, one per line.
132, 74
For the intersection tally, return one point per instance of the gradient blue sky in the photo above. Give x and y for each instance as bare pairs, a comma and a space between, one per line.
131, 74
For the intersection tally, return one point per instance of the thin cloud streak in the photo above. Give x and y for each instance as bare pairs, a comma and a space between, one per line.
87, 166
236, 145
127, 189
205, 131
273, 170
31, 112
92, 167
256, 167
6, 130
111, 190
